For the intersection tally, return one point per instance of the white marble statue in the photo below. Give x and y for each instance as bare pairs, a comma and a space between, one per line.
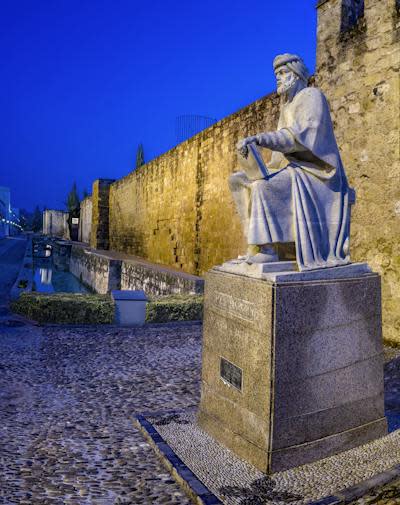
305, 199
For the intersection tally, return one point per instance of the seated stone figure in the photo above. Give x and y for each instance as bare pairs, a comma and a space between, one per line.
305, 199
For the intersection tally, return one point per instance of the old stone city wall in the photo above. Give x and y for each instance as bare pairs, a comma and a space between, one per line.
177, 209
99, 233
358, 61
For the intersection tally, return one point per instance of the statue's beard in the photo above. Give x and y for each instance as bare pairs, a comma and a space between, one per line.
285, 87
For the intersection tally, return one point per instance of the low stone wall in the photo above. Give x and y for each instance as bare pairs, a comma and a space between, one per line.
104, 271
97, 271
158, 280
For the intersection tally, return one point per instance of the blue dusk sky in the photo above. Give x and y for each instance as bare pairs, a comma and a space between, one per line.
83, 82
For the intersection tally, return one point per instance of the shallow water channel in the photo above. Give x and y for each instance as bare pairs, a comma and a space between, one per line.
49, 278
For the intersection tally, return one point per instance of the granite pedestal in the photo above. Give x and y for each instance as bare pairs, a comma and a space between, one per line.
292, 369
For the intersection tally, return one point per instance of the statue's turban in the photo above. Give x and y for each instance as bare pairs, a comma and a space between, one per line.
294, 63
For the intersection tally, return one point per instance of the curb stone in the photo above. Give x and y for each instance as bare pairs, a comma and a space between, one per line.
195, 489
359, 490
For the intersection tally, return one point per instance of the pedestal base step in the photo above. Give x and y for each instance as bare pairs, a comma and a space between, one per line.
286, 271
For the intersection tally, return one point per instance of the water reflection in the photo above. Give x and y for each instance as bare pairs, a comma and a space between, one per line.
47, 279
42, 280
45, 275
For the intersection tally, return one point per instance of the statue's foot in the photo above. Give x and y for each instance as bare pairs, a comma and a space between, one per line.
252, 250
262, 258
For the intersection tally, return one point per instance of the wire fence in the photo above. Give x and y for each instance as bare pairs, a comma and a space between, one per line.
189, 124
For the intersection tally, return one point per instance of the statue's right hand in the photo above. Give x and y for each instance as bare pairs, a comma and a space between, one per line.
241, 146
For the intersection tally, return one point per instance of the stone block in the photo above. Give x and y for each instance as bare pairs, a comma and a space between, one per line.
292, 371
130, 307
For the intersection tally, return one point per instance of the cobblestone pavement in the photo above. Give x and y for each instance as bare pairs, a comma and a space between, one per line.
67, 396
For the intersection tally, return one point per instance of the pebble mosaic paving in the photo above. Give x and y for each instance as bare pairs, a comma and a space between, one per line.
238, 483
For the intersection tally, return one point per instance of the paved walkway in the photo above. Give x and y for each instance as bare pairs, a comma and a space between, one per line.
66, 399
12, 251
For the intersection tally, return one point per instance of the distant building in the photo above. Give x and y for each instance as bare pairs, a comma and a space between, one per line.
4, 212
9, 216
55, 223
15, 227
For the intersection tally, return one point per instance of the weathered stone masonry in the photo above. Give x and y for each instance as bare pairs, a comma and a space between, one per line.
358, 69
177, 209
99, 236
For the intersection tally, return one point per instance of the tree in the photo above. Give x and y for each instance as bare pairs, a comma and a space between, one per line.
72, 203
37, 219
73, 208
24, 218
139, 156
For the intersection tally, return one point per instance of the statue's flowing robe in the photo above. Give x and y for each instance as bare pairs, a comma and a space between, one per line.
307, 201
